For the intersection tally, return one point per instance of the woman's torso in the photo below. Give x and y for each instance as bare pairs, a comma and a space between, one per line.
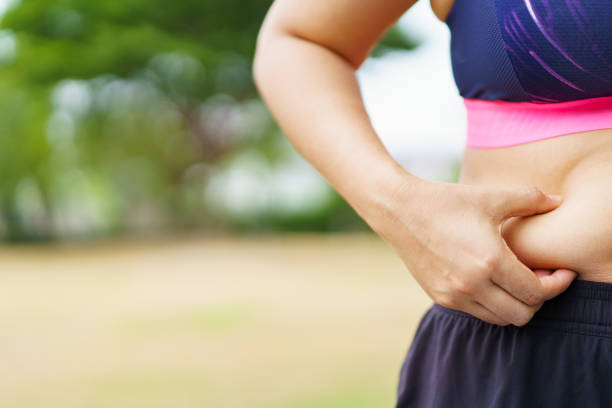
576, 235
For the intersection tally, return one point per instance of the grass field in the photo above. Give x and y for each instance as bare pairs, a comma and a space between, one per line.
279, 321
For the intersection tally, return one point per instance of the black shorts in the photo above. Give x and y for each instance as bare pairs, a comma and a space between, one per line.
561, 358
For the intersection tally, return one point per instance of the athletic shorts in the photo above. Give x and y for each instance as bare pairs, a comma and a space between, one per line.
561, 358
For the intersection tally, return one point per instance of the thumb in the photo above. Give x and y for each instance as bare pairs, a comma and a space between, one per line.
523, 201
556, 283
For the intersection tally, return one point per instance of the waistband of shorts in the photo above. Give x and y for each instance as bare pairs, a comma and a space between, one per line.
584, 307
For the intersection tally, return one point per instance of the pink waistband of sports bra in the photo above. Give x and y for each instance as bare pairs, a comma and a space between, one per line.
493, 124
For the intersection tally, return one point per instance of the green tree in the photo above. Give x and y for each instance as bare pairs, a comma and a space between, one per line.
129, 103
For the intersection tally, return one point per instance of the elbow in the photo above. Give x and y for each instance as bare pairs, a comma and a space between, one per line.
267, 57
261, 72
259, 64
256, 64
257, 68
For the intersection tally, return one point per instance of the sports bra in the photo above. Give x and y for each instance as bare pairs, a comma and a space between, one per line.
532, 69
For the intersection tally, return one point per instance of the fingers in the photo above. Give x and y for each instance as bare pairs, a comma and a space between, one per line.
506, 307
524, 290
494, 305
518, 280
557, 282
523, 201
477, 310
531, 287
528, 286
540, 273
484, 314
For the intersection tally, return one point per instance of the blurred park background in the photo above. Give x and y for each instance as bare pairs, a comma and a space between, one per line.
163, 244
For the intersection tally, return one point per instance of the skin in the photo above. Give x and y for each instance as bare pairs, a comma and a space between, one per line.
494, 245
572, 236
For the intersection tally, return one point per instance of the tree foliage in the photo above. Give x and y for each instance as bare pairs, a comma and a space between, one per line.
113, 110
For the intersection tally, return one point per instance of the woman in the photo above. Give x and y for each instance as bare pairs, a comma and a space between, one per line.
521, 280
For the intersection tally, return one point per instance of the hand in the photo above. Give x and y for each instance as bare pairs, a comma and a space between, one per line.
449, 237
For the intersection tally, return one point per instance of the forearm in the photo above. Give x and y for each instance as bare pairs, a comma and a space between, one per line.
314, 95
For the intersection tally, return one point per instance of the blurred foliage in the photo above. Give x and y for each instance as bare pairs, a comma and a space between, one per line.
118, 116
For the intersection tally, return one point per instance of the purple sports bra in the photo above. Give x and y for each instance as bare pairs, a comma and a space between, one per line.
532, 69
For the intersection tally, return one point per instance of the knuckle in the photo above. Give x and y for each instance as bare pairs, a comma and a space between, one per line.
465, 286
534, 193
446, 299
489, 263
522, 318
480, 196
485, 318
520, 322
534, 299
493, 319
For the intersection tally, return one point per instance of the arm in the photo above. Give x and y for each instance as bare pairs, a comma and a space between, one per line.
448, 235
304, 68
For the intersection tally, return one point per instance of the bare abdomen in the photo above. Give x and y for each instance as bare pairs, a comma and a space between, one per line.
577, 235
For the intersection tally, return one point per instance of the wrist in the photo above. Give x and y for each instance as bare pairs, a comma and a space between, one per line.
383, 190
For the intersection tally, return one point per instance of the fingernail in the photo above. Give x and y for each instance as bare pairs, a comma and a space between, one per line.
555, 197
